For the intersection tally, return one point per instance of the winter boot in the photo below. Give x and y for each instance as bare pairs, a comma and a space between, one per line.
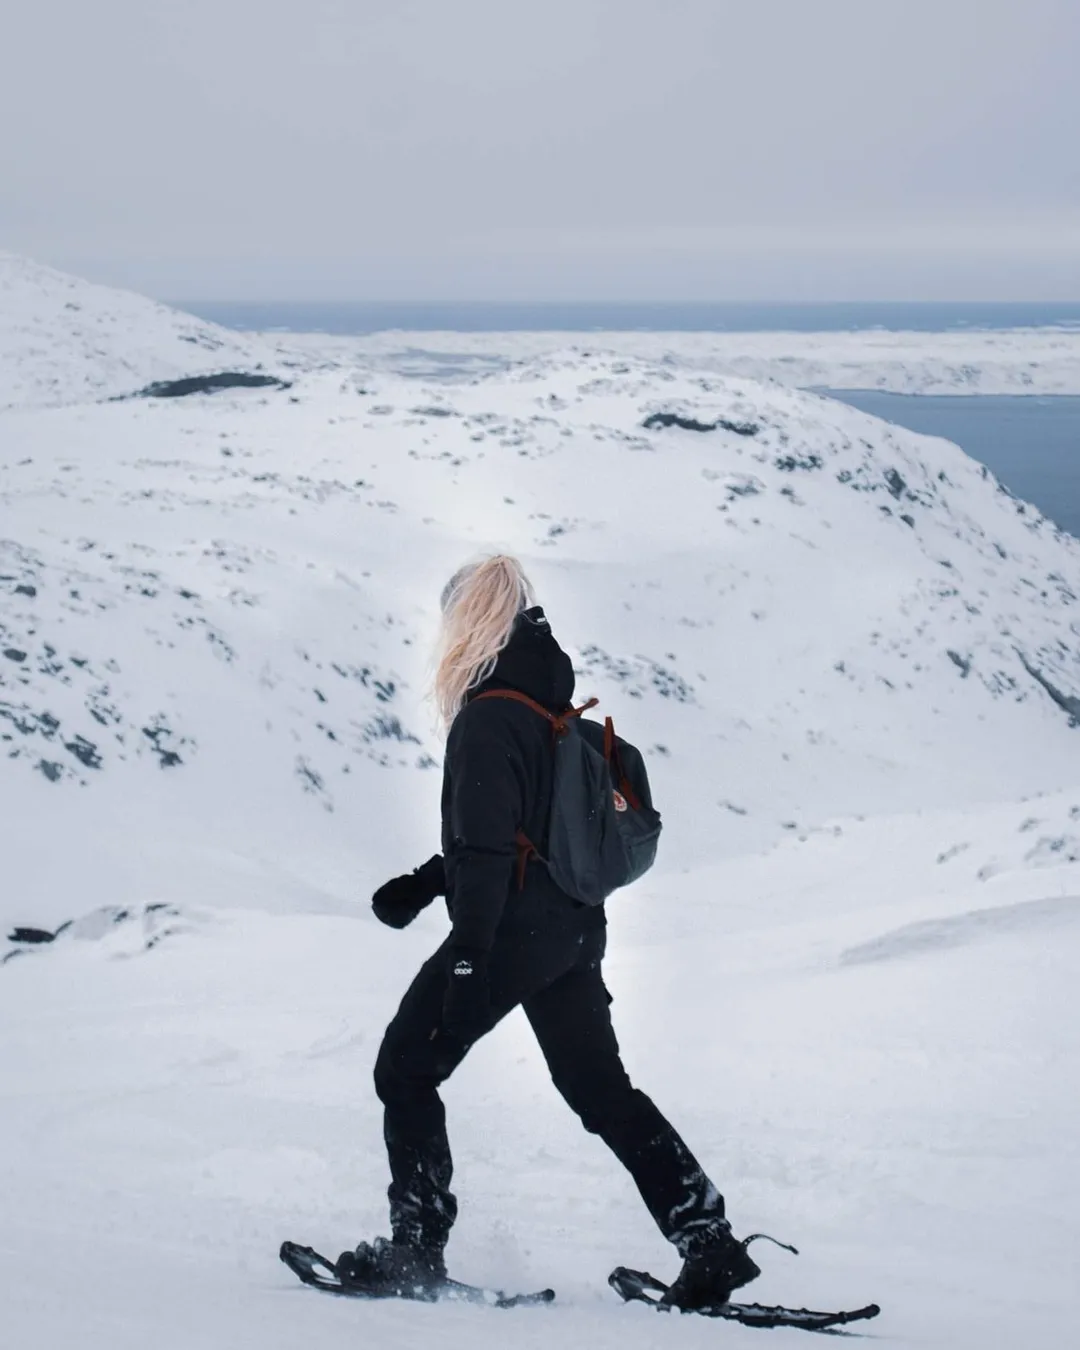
387, 1268
715, 1263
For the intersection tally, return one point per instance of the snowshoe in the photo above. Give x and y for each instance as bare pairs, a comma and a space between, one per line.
641, 1287
372, 1271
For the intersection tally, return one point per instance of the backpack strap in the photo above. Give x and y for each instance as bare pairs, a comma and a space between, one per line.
560, 724
559, 727
615, 764
559, 721
526, 849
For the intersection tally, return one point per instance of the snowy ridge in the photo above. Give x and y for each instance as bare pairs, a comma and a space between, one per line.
1017, 361
853, 662
64, 340
815, 611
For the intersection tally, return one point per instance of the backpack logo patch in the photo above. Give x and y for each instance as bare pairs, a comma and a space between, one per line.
620, 801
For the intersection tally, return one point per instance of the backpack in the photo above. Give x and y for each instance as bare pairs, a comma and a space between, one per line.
603, 829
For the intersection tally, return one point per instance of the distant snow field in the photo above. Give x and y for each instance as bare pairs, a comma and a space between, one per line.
974, 361
851, 657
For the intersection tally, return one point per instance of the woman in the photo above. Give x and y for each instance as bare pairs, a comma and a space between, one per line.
532, 946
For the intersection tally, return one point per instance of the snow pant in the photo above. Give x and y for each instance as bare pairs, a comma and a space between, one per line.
554, 972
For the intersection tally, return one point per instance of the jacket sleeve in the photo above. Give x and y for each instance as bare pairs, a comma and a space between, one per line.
486, 799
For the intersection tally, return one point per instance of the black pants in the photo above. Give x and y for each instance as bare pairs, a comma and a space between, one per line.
553, 970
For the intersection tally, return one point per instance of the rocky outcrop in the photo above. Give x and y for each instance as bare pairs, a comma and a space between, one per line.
659, 420
209, 384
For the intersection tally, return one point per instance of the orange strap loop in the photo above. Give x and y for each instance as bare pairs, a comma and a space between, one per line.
526, 849
614, 760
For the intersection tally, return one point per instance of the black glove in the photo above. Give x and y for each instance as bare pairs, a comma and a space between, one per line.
399, 901
467, 1001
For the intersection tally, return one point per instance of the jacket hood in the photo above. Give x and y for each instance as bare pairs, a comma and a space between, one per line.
533, 663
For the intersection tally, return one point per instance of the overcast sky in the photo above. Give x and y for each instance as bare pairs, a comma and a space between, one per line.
564, 149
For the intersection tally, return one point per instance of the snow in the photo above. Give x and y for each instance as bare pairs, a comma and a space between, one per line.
1022, 361
64, 340
850, 980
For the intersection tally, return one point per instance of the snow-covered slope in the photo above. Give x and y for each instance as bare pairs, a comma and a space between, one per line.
64, 340
875, 1065
848, 654
975, 361
225, 603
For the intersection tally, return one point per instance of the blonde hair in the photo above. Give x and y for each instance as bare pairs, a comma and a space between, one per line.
479, 605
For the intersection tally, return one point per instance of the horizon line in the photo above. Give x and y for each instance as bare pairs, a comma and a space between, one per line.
549, 303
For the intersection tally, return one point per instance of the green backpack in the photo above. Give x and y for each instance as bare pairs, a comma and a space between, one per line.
603, 829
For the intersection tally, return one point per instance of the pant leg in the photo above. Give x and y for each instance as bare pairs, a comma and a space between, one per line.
572, 1021
416, 1057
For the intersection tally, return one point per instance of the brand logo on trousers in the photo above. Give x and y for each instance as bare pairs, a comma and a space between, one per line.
463, 968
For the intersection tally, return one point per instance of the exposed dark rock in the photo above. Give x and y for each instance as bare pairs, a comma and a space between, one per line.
156, 920
385, 689
639, 674
789, 463
208, 384
895, 483
1068, 703
86, 752
383, 727
157, 735
962, 663
656, 421
30, 935
743, 487
311, 781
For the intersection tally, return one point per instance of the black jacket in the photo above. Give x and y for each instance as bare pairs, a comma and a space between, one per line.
497, 778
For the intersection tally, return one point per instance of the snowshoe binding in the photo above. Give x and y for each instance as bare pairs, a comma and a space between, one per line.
715, 1264
388, 1269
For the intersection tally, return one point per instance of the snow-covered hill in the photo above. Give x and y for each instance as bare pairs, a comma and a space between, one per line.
849, 655
802, 610
67, 341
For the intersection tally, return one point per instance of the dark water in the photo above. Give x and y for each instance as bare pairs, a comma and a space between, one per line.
1031, 444
705, 317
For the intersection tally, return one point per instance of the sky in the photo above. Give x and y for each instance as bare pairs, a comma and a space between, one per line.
569, 149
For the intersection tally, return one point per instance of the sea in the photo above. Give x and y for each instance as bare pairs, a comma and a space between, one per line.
509, 316
1030, 443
